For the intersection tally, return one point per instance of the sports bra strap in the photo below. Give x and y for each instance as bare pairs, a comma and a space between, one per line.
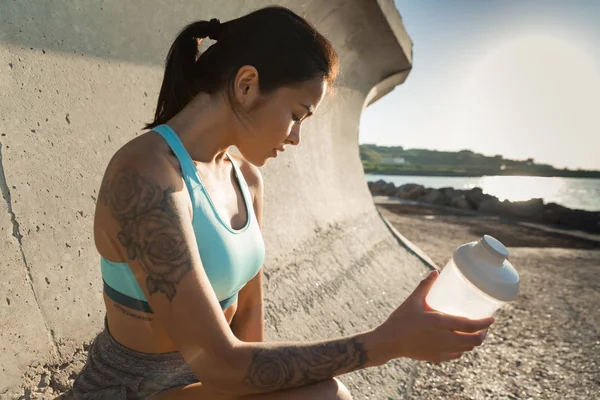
188, 168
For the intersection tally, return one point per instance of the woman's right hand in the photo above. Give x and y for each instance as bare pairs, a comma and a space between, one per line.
416, 331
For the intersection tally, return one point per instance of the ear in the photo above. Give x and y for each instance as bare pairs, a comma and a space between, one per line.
246, 90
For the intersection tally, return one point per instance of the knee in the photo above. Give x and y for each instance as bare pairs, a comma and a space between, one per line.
342, 392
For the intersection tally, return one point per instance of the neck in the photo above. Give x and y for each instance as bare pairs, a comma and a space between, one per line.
203, 128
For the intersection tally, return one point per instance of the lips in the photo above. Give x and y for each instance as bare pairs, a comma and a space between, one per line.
276, 150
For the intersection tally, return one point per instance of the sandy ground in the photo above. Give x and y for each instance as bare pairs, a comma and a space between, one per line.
545, 344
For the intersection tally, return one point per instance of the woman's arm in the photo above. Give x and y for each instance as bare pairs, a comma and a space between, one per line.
248, 323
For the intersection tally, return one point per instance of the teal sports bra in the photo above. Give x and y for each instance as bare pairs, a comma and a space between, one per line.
230, 257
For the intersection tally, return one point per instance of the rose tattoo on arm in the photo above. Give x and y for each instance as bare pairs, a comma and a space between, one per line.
292, 366
150, 229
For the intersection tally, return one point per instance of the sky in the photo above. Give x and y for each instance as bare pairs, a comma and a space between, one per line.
520, 78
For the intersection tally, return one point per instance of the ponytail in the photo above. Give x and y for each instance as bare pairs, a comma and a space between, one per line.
178, 82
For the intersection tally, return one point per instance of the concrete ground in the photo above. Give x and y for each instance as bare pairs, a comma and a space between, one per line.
544, 345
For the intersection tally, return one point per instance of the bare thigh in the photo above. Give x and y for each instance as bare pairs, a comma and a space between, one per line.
331, 389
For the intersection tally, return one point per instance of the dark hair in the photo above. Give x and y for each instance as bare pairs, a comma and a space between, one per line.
284, 48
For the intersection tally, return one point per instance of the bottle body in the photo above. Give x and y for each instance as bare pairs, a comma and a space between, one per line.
452, 293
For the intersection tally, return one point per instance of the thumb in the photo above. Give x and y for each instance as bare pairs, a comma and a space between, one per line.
421, 291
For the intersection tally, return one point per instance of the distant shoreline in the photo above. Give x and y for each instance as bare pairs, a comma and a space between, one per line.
396, 160
554, 174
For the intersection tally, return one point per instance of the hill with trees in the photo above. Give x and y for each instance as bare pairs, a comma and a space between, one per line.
396, 160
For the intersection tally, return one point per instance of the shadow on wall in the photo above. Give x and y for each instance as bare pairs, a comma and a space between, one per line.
106, 30
101, 29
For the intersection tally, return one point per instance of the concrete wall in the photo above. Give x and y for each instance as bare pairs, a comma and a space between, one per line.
79, 78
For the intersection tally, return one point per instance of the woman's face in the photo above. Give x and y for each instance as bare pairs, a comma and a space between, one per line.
276, 121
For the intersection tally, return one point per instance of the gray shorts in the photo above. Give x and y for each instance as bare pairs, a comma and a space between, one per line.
112, 371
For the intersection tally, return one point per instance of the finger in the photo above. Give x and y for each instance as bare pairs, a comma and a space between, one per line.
453, 356
421, 291
484, 333
468, 339
462, 324
447, 356
455, 341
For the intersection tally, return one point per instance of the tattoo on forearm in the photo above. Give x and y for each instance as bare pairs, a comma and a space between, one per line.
149, 229
288, 367
130, 314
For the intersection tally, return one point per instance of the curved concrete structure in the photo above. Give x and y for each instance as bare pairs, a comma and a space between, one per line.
79, 79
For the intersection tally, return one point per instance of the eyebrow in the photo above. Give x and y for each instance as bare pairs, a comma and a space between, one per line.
309, 109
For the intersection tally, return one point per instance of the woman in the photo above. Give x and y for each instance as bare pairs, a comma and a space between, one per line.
178, 228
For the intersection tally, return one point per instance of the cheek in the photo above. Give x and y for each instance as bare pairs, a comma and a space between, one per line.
275, 128
283, 129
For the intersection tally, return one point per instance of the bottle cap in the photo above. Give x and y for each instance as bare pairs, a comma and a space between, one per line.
484, 263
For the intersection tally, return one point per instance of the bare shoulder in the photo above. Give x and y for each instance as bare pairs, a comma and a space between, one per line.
140, 179
148, 156
140, 165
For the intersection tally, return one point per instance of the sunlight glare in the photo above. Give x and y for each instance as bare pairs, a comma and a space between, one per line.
535, 95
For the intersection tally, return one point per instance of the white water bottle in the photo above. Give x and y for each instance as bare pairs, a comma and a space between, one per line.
476, 281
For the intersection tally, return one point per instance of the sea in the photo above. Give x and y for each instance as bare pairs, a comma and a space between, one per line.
577, 193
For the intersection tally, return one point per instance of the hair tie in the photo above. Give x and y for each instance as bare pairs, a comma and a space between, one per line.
214, 29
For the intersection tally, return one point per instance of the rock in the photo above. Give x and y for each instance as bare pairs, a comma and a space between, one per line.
44, 381
460, 202
452, 196
449, 193
382, 187
424, 193
475, 196
435, 197
558, 215
530, 209
376, 188
410, 191
389, 189
554, 213
492, 206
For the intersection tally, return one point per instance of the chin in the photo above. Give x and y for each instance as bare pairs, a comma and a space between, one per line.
256, 161
263, 163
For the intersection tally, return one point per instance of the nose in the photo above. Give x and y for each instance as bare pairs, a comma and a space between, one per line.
294, 137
